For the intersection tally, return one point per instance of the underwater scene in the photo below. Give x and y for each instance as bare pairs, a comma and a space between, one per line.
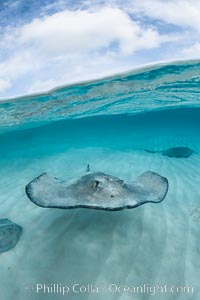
99, 188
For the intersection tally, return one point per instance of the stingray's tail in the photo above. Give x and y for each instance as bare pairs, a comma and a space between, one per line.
150, 151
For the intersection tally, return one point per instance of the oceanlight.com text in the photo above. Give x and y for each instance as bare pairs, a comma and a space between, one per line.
112, 288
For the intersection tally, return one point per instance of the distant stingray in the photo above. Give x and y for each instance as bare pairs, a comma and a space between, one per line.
9, 234
97, 191
178, 152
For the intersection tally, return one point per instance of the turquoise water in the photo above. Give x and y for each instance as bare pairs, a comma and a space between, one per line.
151, 130
108, 124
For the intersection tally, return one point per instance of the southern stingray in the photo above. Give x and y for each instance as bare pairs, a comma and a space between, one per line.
98, 191
178, 152
9, 234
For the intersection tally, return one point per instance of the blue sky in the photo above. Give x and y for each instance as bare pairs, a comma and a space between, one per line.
46, 43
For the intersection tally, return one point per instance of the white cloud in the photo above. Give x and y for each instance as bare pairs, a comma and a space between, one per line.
191, 52
83, 31
19, 64
4, 84
177, 12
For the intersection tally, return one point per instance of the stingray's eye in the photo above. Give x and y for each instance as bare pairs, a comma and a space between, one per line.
111, 196
96, 183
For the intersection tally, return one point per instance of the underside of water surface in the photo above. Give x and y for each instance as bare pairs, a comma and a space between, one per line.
123, 126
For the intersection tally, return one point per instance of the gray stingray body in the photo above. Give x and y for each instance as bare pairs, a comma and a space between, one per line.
9, 234
97, 191
178, 152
